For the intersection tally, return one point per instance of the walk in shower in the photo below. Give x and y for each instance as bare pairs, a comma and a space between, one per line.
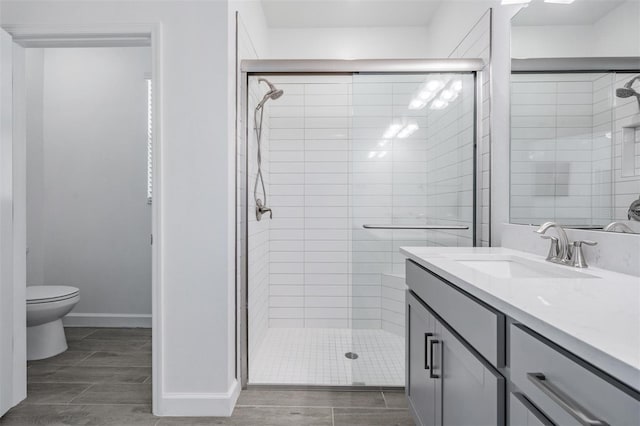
355, 165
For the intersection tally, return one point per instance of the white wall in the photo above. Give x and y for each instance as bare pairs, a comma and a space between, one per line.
552, 41
194, 356
34, 70
89, 221
615, 34
618, 32
348, 43
451, 24
12, 222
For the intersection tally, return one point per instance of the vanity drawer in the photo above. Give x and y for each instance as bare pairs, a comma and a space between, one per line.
479, 325
562, 386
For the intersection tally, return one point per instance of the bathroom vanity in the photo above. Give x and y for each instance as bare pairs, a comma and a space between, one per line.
501, 337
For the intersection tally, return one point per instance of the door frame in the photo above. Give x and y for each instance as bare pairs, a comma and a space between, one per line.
107, 35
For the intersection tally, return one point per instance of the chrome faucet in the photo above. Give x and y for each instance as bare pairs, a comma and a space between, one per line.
615, 226
577, 257
559, 250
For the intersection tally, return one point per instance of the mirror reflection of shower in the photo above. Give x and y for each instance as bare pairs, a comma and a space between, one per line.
273, 93
627, 91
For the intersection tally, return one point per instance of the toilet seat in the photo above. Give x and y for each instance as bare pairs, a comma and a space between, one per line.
50, 293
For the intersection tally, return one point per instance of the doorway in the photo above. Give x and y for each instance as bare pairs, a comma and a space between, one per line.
77, 211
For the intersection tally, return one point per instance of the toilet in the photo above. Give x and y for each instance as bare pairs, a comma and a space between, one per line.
46, 305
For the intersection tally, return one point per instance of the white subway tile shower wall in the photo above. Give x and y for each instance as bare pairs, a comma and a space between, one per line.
258, 255
566, 149
310, 242
477, 44
258, 231
331, 171
393, 303
626, 111
601, 161
552, 129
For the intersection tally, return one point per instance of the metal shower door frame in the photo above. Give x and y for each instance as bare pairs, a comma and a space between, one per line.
321, 67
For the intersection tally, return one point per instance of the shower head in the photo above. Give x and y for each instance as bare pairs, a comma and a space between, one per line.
627, 91
273, 93
623, 92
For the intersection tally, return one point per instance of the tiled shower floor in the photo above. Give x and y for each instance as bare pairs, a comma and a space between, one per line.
316, 356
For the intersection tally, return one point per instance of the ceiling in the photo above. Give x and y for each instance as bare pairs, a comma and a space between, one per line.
348, 13
580, 12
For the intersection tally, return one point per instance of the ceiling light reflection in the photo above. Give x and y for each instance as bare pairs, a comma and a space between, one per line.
439, 104
408, 130
392, 131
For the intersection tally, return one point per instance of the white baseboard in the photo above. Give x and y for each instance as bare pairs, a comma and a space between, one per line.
107, 320
200, 404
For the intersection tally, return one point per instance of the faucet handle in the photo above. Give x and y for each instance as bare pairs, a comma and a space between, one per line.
585, 242
577, 258
553, 248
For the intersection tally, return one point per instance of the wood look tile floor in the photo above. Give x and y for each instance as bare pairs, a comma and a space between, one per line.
105, 379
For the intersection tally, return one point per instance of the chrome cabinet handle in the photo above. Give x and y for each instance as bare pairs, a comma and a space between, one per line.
426, 352
568, 404
432, 375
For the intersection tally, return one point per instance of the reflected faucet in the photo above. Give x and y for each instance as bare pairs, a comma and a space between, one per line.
618, 227
559, 250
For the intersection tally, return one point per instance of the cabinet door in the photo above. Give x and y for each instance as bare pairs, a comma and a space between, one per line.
471, 393
522, 412
420, 388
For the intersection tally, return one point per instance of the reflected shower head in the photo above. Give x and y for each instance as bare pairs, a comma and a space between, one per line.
273, 93
627, 91
623, 92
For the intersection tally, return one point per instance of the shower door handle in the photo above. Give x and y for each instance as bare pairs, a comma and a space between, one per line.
426, 227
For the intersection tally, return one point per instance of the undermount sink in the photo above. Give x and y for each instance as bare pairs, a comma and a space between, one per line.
518, 267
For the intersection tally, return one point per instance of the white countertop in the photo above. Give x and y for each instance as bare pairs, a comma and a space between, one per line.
597, 319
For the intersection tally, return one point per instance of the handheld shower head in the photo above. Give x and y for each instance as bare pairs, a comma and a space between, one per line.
273, 93
627, 91
629, 83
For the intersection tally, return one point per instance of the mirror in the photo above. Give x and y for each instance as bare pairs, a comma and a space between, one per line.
575, 114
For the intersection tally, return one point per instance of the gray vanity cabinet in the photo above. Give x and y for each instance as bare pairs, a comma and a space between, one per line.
471, 393
421, 388
523, 413
461, 350
565, 388
447, 383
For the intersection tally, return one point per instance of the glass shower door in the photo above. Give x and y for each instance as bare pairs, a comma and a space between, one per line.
355, 166
411, 175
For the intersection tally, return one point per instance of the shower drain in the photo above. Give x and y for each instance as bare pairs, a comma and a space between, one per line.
351, 355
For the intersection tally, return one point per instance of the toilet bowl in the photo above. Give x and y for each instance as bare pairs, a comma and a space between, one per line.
46, 305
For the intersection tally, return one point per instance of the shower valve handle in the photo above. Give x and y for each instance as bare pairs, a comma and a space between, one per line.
262, 209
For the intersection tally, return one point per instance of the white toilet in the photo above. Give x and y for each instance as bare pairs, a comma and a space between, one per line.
46, 305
